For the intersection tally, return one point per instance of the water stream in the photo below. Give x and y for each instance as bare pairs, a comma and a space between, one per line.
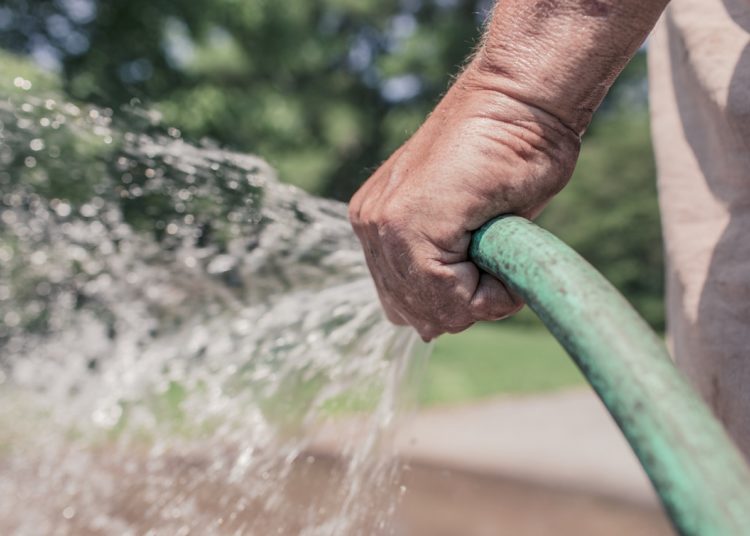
175, 325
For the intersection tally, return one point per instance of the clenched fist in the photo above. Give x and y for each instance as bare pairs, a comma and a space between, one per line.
480, 154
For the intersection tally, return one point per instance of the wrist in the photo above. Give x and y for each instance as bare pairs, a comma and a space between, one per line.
562, 57
500, 97
540, 150
538, 85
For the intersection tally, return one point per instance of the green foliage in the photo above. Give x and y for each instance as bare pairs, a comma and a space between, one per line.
490, 359
21, 71
323, 89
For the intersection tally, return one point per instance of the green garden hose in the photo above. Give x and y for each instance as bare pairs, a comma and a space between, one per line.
700, 476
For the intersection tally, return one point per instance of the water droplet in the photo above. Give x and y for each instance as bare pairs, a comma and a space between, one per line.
88, 210
43, 288
9, 217
72, 109
37, 144
38, 258
221, 264
62, 209
6, 255
22, 83
12, 319
107, 416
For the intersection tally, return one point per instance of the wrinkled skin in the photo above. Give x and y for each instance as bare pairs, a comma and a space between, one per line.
504, 139
480, 154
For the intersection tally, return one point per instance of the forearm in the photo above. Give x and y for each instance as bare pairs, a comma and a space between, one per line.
562, 55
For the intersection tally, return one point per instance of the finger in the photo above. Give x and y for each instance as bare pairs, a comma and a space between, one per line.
367, 195
386, 302
453, 286
372, 257
401, 316
398, 295
493, 301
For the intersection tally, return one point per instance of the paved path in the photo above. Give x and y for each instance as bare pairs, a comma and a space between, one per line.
565, 440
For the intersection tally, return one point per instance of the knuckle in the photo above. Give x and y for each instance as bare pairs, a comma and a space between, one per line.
450, 319
354, 213
449, 281
390, 221
483, 303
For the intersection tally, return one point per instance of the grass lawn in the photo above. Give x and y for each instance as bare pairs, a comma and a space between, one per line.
496, 358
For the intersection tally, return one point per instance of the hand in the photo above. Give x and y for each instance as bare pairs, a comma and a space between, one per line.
479, 155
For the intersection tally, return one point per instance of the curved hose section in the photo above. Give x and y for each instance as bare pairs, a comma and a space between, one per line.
700, 476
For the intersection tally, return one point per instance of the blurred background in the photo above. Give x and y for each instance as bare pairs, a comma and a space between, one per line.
325, 90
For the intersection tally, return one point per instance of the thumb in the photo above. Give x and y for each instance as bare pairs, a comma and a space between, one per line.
492, 300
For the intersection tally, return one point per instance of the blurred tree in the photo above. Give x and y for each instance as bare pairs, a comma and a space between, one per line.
324, 89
